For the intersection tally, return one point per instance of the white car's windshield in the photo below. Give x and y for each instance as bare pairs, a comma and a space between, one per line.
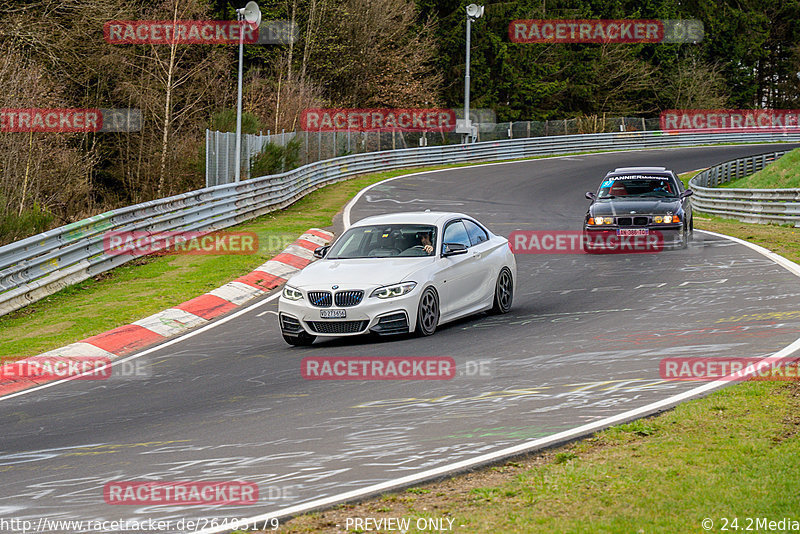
383, 241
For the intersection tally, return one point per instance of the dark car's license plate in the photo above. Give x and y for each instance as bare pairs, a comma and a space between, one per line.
633, 231
332, 314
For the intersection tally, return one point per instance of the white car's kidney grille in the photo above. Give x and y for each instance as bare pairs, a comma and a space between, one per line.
348, 298
320, 299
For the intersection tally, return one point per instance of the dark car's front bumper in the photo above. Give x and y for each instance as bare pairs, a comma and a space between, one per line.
658, 238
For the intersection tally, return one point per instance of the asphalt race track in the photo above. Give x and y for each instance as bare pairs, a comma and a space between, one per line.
583, 341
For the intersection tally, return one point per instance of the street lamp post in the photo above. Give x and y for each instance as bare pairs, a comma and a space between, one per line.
249, 14
474, 12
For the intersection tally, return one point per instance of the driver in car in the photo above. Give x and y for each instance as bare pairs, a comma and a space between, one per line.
662, 187
425, 240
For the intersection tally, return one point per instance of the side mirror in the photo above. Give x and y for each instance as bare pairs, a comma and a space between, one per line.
320, 252
686, 193
591, 196
453, 249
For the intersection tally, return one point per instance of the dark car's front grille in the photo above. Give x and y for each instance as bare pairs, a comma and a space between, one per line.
320, 299
632, 221
337, 327
348, 298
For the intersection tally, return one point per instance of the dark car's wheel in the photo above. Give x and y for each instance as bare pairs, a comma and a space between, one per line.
427, 313
685, 237
302, 339
503, 292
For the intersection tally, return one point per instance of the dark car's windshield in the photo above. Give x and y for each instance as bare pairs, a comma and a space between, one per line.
638, 187
383, 241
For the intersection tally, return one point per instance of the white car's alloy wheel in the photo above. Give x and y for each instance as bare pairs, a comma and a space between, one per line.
503, 292
428, 313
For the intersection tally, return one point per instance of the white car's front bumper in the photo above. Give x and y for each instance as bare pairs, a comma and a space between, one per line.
382, 316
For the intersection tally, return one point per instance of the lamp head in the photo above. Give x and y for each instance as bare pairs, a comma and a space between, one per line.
474, 11
251, 13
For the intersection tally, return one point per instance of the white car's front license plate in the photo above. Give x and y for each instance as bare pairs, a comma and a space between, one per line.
632, 231
332, 314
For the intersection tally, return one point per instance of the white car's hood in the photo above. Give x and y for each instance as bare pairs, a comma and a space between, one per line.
358, 273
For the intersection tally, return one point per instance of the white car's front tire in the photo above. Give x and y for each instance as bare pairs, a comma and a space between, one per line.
427, 313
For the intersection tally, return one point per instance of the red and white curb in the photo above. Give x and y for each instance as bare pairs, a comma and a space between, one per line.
156, 328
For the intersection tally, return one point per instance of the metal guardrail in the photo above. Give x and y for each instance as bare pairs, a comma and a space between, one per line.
747, 205
40, 265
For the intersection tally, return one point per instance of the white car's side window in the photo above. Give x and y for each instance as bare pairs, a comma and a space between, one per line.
477, 234
455, 232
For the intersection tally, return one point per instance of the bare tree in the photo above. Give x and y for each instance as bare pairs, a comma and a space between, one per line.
693, 84
376, 53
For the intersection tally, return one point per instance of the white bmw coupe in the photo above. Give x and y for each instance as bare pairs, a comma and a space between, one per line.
399, 273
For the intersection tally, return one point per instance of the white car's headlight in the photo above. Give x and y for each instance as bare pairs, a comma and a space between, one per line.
394, 290
291, 293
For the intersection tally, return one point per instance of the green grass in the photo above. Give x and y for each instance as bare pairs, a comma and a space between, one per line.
783, 174
732, 454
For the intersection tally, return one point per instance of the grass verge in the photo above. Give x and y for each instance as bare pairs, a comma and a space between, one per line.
782, 174
732, 454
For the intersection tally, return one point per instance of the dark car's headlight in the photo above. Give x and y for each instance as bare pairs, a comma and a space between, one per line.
598, 221
291, 293
394, 290
666, 219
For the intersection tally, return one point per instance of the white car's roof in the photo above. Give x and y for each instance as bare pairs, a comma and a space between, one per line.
411, 217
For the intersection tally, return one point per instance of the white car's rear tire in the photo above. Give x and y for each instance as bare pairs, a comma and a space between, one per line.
503, 291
